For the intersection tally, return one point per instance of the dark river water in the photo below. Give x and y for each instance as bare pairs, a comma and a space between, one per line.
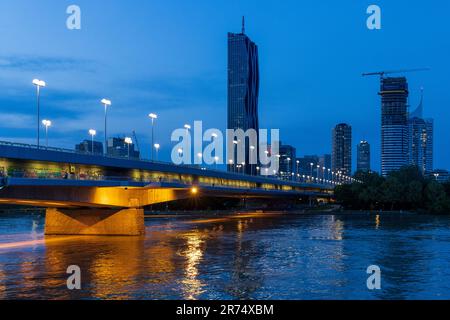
247, 256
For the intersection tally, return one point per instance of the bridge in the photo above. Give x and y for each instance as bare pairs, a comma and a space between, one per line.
87, 194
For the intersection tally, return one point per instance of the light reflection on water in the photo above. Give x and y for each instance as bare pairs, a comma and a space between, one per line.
251, 256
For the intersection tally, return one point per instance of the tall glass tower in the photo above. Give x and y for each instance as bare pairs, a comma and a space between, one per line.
394, 124
420, 140
363, 156
341, 158
243, 90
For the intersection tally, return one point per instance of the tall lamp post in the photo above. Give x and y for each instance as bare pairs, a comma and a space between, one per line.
39, 84
311, 164
47, 124
153, 117
92, 132
107, 103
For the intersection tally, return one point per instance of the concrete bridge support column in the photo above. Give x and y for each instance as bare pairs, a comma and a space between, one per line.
104, 222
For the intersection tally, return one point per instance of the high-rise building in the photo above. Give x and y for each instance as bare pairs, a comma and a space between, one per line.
341, 158
394, 124
363, 156
86, 147
117, 147
243, 89
287, 162
420, 140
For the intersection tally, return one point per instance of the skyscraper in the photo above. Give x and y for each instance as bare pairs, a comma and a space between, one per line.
420, 140
287, 162
341, 158
394, 124
363, 156
243, 88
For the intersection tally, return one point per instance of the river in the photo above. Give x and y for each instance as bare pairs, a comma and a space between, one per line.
239, 256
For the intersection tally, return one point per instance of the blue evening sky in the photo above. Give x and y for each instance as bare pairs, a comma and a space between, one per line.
170, 57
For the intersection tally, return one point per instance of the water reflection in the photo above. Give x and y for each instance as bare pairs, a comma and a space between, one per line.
251, 256
192, 285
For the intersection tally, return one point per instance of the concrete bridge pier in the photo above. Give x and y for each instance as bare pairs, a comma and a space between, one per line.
104, 222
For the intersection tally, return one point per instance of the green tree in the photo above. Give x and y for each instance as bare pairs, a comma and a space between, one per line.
436, 199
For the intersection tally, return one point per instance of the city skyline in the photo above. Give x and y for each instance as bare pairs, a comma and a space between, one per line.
73, 105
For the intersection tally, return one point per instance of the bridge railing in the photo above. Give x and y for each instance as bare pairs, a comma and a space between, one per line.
57, 175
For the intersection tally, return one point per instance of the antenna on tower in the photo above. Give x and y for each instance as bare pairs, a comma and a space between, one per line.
243, 24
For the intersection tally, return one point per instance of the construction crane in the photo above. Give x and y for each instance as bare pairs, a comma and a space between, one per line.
383, 73
136, 141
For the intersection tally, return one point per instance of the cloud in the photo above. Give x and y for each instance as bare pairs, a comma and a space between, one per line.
15, 120
49, 64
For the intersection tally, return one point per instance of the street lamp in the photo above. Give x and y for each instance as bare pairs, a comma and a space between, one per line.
153, 117
216, 159
47, 124
231, 164
157, 147
318, 168
252, 152
311, 164
323, 175
107, 103
39, 84
92, 132
128, 141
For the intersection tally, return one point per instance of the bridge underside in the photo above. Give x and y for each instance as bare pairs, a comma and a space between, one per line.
110, 211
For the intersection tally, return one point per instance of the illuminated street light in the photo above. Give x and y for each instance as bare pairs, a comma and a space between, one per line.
39, 84
128, 141
106, 103
323, 175
47, 124
92, 133
216, 159
157, 147
153, 117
